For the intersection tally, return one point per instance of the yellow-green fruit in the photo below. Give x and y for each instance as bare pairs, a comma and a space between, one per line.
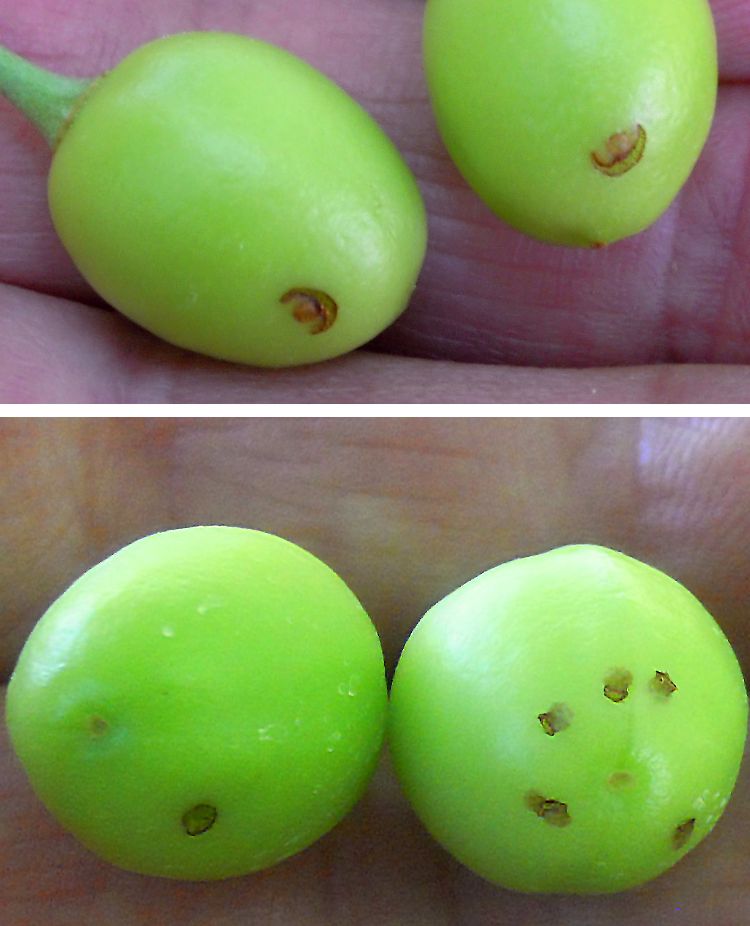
572, 722
202, 704
577, 121
231, 199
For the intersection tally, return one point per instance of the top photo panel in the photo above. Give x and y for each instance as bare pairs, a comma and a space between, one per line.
375, 201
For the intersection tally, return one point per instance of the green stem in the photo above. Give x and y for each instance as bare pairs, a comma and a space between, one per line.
47, 99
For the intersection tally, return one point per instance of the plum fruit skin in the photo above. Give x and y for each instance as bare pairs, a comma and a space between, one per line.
506, 696
526, 94
198, 673
209, 177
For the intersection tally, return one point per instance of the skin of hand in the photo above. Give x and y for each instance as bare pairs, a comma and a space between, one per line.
496, 316
405, 511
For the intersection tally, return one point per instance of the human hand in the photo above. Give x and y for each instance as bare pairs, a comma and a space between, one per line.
404, 511
496, 316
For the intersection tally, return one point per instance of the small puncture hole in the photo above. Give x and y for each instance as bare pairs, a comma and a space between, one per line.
98, 726
617, 685
663, 685
557, 718
621, 152
553, 812
682, 834
199, 819
312, 307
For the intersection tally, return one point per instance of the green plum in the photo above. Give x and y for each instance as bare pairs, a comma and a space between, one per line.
571, 722
202, 704
577, 121
228, 197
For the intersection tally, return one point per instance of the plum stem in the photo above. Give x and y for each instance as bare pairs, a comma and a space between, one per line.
46, 98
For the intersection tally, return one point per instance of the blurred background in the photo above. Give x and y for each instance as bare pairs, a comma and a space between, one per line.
404, 510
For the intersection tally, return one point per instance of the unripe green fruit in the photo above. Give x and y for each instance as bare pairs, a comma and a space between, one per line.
572, 722
202, 704
577, 121
231, 199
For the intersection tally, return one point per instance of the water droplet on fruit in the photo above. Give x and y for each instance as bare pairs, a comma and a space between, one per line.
209, 604
349, 688
272, 733
167, 631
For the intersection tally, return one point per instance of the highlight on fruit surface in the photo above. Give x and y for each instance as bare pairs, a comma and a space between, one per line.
203, 704
576, 121
571, 722
208, 178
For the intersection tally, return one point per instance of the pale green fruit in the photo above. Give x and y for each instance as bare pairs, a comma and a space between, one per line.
577, 121
202, 704
571, 722
228, 197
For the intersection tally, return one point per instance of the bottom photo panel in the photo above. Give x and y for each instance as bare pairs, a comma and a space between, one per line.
383, 672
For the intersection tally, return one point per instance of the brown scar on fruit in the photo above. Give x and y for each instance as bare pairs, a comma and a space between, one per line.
617, 684
619, 780
553, 812
621, 152
98, 726
557, 718
199, 819
682, 834
663, 685
312, 306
